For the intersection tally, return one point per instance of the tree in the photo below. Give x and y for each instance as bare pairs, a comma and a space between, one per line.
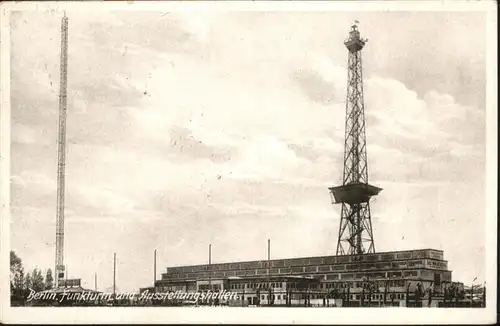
16, 276
16, 266
37, 280
19, 281
28, 283
49, 280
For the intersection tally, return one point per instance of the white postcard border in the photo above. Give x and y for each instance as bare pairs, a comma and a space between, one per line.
252, 315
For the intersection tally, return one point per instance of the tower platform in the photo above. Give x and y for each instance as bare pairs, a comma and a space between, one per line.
353, 193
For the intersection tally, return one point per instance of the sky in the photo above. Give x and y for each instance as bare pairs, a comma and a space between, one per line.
226, 128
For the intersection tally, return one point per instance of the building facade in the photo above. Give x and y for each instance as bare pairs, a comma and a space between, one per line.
367, 279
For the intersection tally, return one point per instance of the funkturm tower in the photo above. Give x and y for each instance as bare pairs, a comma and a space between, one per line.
355, 231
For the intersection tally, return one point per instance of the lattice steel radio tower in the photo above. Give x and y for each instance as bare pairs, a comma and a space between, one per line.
61, 154
355, 231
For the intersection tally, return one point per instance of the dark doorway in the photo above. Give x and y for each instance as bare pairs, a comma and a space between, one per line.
437, 279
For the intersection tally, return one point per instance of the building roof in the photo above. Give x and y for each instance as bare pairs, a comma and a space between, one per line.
310, 257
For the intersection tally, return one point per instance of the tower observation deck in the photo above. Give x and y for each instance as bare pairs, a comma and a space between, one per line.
355, 230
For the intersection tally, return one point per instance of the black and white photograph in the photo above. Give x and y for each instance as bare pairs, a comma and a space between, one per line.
249, 162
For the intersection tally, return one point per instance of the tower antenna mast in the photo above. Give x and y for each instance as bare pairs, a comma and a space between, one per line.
355, 230
61, 153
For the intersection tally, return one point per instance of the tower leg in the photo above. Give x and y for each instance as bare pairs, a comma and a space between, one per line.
355, 230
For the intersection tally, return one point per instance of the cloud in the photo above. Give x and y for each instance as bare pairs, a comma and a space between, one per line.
132, 32
183, 142
315, 87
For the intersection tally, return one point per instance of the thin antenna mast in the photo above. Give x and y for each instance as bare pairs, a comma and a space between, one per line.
61, 152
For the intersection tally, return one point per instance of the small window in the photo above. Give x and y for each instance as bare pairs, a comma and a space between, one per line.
279, 297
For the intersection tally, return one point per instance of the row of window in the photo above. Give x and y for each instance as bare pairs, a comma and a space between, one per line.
345, 276
376, 284
208, 286
256, 285
390, 296
275, 297
337, 285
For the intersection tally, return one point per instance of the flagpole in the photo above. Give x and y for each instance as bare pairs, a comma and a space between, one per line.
484, 295
472, 291
114, 277
269, 301
210, 272
154, 271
